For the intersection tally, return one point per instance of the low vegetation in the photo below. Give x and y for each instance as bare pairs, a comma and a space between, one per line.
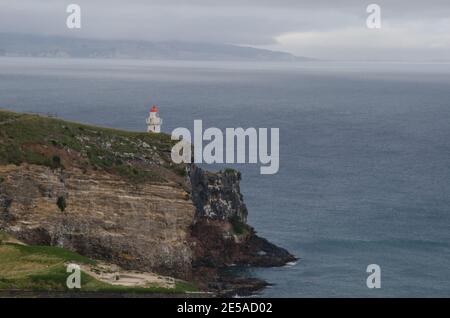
43, 268
239, 227
58, 144
61, 203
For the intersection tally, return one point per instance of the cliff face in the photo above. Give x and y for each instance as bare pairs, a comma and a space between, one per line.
217, 196
220, 233
116, 196
139, 226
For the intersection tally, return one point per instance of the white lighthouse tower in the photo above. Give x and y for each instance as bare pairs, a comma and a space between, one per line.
153, 121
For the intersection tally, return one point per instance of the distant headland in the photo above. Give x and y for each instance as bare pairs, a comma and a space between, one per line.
68, 47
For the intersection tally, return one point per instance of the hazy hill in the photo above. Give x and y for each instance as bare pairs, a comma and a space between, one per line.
55, 46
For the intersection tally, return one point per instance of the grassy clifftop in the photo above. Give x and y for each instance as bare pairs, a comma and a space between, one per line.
61, 144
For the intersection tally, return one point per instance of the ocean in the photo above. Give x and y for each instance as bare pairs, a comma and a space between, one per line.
364, 155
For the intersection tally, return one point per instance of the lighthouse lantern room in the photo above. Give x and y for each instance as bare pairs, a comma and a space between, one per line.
153, 121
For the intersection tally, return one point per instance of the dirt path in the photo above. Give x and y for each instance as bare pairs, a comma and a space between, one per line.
114, 275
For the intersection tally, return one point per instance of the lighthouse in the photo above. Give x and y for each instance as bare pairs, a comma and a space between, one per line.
153, 121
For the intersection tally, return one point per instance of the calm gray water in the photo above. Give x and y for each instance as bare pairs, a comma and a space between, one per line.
365, 155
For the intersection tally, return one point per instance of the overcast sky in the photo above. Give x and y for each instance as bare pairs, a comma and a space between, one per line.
411, 30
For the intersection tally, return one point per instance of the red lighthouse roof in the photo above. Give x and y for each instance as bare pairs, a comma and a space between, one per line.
154, 109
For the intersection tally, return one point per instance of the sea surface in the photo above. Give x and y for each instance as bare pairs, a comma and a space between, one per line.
364, 155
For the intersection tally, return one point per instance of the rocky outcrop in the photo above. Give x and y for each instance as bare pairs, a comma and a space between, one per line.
220, 235
116, 196
217, 196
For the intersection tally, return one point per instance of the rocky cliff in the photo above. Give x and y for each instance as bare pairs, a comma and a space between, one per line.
116, 196
217, 196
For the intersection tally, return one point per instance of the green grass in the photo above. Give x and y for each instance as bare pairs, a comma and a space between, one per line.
3, 236
22, 135
61, 254
230, 170
239, 227
43, 268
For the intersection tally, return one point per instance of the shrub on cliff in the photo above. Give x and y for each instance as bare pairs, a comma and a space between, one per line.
56, 162
61, 203
239, 227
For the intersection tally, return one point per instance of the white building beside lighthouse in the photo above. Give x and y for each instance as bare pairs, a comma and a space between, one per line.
153, 121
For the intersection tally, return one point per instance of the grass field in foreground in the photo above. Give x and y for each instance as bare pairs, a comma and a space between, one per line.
43, 268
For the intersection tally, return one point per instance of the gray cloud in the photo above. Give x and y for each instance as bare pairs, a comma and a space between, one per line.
321, 28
